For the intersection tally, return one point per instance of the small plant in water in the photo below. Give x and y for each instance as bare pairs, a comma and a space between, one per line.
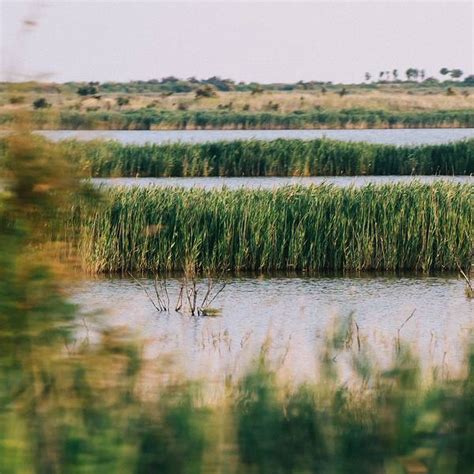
188, 301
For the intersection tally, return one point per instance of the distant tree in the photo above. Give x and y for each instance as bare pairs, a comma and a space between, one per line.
121, 101
381, 73
168, 79
223, 85
41, 103
456, 73
367, 76
469, 80
412, 74
444, 71
395, 74
422, 74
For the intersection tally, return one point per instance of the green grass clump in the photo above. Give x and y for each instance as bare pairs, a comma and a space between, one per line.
280, 157
391, 227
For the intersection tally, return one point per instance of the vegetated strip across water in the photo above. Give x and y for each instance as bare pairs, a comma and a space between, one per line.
315, 228
319, 157
146, 119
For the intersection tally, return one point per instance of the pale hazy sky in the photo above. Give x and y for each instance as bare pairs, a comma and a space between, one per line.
260, 41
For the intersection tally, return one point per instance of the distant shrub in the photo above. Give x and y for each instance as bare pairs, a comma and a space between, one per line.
17, 99
271, 106
205, 91
121, 101
41, 103
90, 89
257, 89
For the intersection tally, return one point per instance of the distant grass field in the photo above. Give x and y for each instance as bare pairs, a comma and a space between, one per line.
392, 227
387, 105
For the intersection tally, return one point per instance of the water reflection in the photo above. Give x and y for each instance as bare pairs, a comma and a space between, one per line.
274, 182
295, 313
390, 136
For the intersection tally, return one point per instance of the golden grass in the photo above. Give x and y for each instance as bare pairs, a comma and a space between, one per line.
395, 100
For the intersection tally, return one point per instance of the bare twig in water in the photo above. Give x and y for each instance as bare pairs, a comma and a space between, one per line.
179, 302
146, 292
467, 279
188, 295
401, 327
358, 335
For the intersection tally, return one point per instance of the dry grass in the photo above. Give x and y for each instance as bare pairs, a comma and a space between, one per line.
394, 101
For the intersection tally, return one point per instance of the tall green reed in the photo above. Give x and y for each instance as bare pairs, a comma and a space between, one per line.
280, 157
391, 227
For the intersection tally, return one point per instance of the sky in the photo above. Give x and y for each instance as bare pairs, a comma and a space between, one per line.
271, 41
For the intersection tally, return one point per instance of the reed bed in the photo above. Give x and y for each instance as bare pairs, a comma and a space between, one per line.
146, 119
391, 227
279, 157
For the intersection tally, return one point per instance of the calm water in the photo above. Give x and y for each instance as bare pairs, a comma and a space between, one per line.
293, 314
393, 137
274, 182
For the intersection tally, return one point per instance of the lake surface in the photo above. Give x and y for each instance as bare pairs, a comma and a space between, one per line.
292, 314
275, 182
392, 136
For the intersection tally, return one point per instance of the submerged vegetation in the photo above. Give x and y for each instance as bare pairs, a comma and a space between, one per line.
280, 157
391, 227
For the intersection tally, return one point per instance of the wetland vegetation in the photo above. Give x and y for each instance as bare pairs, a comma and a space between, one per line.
281, 157
390, 227
284, 330
93, 402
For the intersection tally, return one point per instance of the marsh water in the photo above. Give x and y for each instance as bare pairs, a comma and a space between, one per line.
288, 315
275, 182
387, 136
291, 314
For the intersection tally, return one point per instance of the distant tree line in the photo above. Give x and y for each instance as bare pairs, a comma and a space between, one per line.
209, 87
414, 74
